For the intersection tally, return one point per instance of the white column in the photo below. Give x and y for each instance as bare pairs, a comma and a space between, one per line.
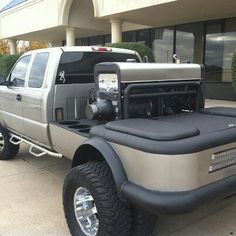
70, 36
12, 44
116, 30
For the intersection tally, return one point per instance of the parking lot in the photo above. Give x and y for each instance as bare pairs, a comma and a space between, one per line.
31, 202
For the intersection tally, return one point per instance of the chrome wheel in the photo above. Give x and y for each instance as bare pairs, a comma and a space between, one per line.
86, 212
1, 142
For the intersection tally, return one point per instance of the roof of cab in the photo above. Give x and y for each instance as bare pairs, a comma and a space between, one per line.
96, 48
82, 49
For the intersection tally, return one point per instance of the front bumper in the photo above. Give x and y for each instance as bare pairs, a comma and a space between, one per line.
177, 202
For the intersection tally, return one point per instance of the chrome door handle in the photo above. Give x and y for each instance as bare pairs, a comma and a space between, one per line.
19, 97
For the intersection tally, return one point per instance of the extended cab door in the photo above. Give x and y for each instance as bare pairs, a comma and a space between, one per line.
11, 96
35, 126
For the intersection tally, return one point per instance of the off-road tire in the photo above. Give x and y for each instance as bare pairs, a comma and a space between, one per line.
144, 223
9, 150
115, 217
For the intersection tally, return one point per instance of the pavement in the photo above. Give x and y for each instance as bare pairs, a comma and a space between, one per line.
31, 195
31, 201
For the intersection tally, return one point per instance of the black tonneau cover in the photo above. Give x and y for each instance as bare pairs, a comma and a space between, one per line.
176, 134
159, 130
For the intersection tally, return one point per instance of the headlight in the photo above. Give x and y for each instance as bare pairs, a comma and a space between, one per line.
108, 83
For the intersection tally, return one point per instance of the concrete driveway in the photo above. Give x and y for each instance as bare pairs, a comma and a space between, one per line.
31, 203
30, 196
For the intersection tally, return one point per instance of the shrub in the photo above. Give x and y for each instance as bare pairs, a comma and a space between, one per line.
233, 68
142, 49
7, 62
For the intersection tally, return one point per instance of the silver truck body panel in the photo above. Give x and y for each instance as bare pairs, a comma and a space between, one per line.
64, 141
73, 99
172, 172
34, 127
12, 115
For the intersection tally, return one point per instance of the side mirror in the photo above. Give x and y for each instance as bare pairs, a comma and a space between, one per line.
2, 79
176, 59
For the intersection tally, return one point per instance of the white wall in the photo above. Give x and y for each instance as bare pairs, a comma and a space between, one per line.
82, 16
29, 17
110, 7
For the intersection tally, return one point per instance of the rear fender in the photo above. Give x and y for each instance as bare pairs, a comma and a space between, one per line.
97, 149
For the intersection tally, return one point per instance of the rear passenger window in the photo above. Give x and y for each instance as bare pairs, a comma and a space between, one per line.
38, 69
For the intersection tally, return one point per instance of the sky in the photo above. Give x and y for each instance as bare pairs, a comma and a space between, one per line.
3, 3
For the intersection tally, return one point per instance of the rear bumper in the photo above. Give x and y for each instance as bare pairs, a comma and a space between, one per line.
177, 202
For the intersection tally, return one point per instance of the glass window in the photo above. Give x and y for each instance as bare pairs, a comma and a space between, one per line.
129, 36
96, 41
85, 42
78, 67
163, 45
79, 42
220, 45
214, 51
229, 48
107, 38
143, 36
18, 74
189, 42
82, 42
38, 69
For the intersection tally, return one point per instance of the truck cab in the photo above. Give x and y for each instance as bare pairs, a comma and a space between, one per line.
52, 84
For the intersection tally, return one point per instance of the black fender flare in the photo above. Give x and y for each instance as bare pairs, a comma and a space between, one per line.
108, 154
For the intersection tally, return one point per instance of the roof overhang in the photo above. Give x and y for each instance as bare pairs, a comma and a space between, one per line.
167, 12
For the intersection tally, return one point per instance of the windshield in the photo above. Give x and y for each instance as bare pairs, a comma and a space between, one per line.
78, 67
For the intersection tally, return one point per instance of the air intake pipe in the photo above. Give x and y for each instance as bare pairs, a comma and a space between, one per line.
100, 110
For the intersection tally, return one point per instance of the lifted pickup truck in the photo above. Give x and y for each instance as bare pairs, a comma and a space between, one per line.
139, 137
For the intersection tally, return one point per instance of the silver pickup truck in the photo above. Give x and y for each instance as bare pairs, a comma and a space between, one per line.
139, 137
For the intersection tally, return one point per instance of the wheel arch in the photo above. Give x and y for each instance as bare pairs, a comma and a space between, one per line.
97, 149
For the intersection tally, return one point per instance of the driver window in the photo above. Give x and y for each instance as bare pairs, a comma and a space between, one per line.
18, 74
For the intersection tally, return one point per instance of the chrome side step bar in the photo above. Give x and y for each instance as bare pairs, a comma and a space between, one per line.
16, 140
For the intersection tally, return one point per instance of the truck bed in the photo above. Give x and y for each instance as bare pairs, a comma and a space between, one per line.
81, 127
176, 134
171, 135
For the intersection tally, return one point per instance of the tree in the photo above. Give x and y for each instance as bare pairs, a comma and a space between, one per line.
142, 49
7, 62
31, 45
22, 46
4, 47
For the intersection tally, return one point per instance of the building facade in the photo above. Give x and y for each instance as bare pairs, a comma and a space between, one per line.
197, 31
